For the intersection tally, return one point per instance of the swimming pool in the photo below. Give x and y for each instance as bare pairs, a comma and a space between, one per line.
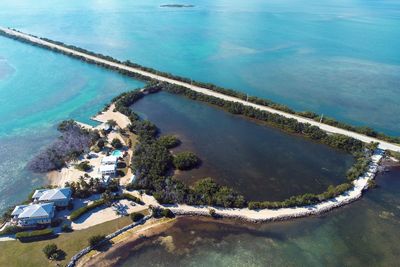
117, 153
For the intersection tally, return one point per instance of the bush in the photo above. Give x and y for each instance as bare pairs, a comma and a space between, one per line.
136, 216
131, 198
113, 185
83, 166
56, 222
95, 149
169, 141
167, 213
100, 144
159, 212
96, 239
79, 212
9, 230
70, 206
112, 123
185, 161
34, 234
66, 228
53, 253
50, 249
116, 143
212, 213
372, 184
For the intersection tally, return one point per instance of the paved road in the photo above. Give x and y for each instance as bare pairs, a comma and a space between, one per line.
328, 128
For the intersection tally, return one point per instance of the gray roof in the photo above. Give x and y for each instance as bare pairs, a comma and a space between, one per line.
52, 194
37, 211
18, 210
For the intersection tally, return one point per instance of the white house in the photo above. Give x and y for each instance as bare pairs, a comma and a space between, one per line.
107, 169
59, 196
30, 215
109, 160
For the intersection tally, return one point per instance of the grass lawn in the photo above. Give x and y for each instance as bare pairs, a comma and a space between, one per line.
15, 253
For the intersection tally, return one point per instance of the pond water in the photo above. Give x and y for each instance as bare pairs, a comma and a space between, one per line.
262, 163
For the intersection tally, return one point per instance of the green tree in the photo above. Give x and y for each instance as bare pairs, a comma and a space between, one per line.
116, 143
169, 141
136, 216
112, 123
96, 239
185, 160
49, 250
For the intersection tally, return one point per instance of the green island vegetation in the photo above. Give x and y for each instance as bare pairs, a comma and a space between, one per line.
230, 92
136, 216
34, 235
83, 166
169, 141
96, 240
116, 143
159, 212
185, 160
52, 252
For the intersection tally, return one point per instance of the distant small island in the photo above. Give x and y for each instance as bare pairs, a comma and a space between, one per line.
176, 5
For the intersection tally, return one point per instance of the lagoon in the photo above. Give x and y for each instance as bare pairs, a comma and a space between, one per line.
261, 162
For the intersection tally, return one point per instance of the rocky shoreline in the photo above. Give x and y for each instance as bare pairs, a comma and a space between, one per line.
266, 215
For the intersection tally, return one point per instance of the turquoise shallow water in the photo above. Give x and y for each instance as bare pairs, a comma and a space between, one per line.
340, 58
34, 97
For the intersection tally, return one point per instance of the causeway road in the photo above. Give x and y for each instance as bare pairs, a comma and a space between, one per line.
328, 128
